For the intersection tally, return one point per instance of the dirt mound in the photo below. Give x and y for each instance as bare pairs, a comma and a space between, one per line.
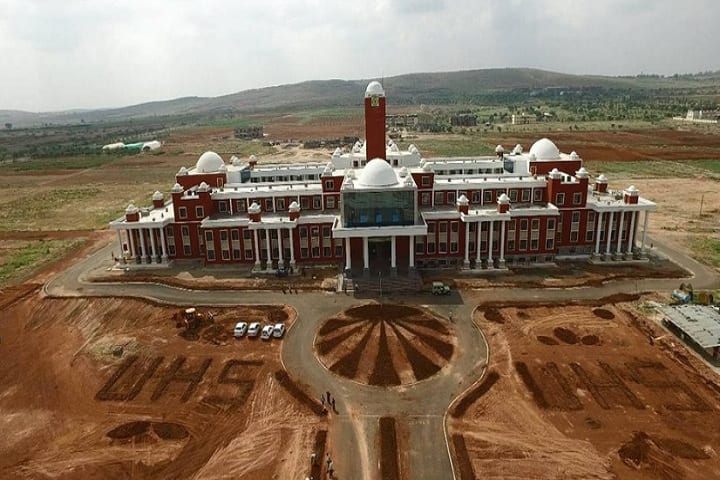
603, 313
590, 340
565, 335
473, 395
593, 423
128, 430
170, 431
385, 345
658, 455
547, 340
494, 315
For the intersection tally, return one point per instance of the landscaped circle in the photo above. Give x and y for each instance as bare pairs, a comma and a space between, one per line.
385, 345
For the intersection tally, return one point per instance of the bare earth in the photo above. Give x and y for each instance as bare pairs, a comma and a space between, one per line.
581, 393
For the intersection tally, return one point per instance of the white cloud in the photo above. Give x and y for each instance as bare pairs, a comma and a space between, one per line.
80, 54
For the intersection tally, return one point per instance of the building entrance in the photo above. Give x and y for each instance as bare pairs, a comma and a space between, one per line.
379, 253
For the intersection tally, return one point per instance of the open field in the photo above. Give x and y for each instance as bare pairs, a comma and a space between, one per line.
580, 392
108, 388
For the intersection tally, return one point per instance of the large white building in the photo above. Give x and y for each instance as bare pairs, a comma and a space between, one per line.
376, 207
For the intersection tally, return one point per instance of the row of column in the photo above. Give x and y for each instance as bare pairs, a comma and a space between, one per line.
140, 252
393, 253
632, 233
478, 242
268, 249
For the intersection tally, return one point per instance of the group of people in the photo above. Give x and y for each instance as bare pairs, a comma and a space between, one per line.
330, 400
328, 460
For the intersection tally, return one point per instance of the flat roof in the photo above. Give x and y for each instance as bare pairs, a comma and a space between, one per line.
699, 322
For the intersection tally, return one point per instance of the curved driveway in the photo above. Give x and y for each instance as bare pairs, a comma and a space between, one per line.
423, 405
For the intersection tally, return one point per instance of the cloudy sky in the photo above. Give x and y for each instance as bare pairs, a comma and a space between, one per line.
67, 54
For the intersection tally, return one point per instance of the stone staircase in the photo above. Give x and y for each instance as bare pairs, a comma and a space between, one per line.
372, 286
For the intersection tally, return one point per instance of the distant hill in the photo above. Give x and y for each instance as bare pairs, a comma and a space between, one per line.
433, 88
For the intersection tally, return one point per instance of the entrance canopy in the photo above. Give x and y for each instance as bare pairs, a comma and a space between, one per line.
701, 323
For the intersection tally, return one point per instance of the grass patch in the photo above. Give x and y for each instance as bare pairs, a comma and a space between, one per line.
31, 256
712, 166
23, 212
453, 146
706, 250
78, 162
648, 169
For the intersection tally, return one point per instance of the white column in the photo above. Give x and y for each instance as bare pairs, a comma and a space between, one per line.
154, 244
257, 249
631, 232
491, 224
620, 230
502, 244
348, 255
131, 245
467, 245
637, 224
164, 244
281, 262
393, 253
478, 263
411, 262
144, 255
268, 249
644, 235
122, 254
597, 232
366, 254
608, 233
292, 247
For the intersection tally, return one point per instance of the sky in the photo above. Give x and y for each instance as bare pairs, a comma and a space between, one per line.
67, 54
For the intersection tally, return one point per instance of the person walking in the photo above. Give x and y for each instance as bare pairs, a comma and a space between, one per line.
313, 459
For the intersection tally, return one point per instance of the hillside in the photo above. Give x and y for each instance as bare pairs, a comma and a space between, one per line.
474, 86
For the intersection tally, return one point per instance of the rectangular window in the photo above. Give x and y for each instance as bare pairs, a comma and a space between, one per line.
534, 244
425, 181
524, 224
211, 255
186, 250
560, 199
338, 250
536, 224
329, 184
280, 203
549, 244
575, 217
442, 248
589, 235
240, 206
223, 235
304, 203
455, 227
476, 197
573, 236
487, 196
513, 196
443, 227
317, 202
326, 232
182, 212
511, 245
551, 224
327, 252
425, 198
450, 198
199, 212
537, 195
209, 237
439, 198
330, 202
185, 231
525, 195
222, 207
268, 205
453, 247
226, 254
577, 198
523, 244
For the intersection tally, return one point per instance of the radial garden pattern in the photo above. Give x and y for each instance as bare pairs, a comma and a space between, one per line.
385, 345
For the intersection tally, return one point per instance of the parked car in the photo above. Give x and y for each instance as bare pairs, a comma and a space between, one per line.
278, 330
267, 332
439, 288
240, 329
253, 329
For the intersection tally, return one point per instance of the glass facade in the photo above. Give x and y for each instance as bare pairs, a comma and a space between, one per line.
376, 209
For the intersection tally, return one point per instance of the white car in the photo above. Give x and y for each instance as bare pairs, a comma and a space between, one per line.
240, 329
253, 329
267, 332
278, 330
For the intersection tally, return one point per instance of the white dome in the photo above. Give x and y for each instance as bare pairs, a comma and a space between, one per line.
544, 149
209, 162
377, 173
374, 89
158, 195
499, 149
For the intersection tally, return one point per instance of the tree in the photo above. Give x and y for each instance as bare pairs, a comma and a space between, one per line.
8, 126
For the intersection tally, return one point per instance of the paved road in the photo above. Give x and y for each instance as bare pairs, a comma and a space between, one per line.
421, 408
